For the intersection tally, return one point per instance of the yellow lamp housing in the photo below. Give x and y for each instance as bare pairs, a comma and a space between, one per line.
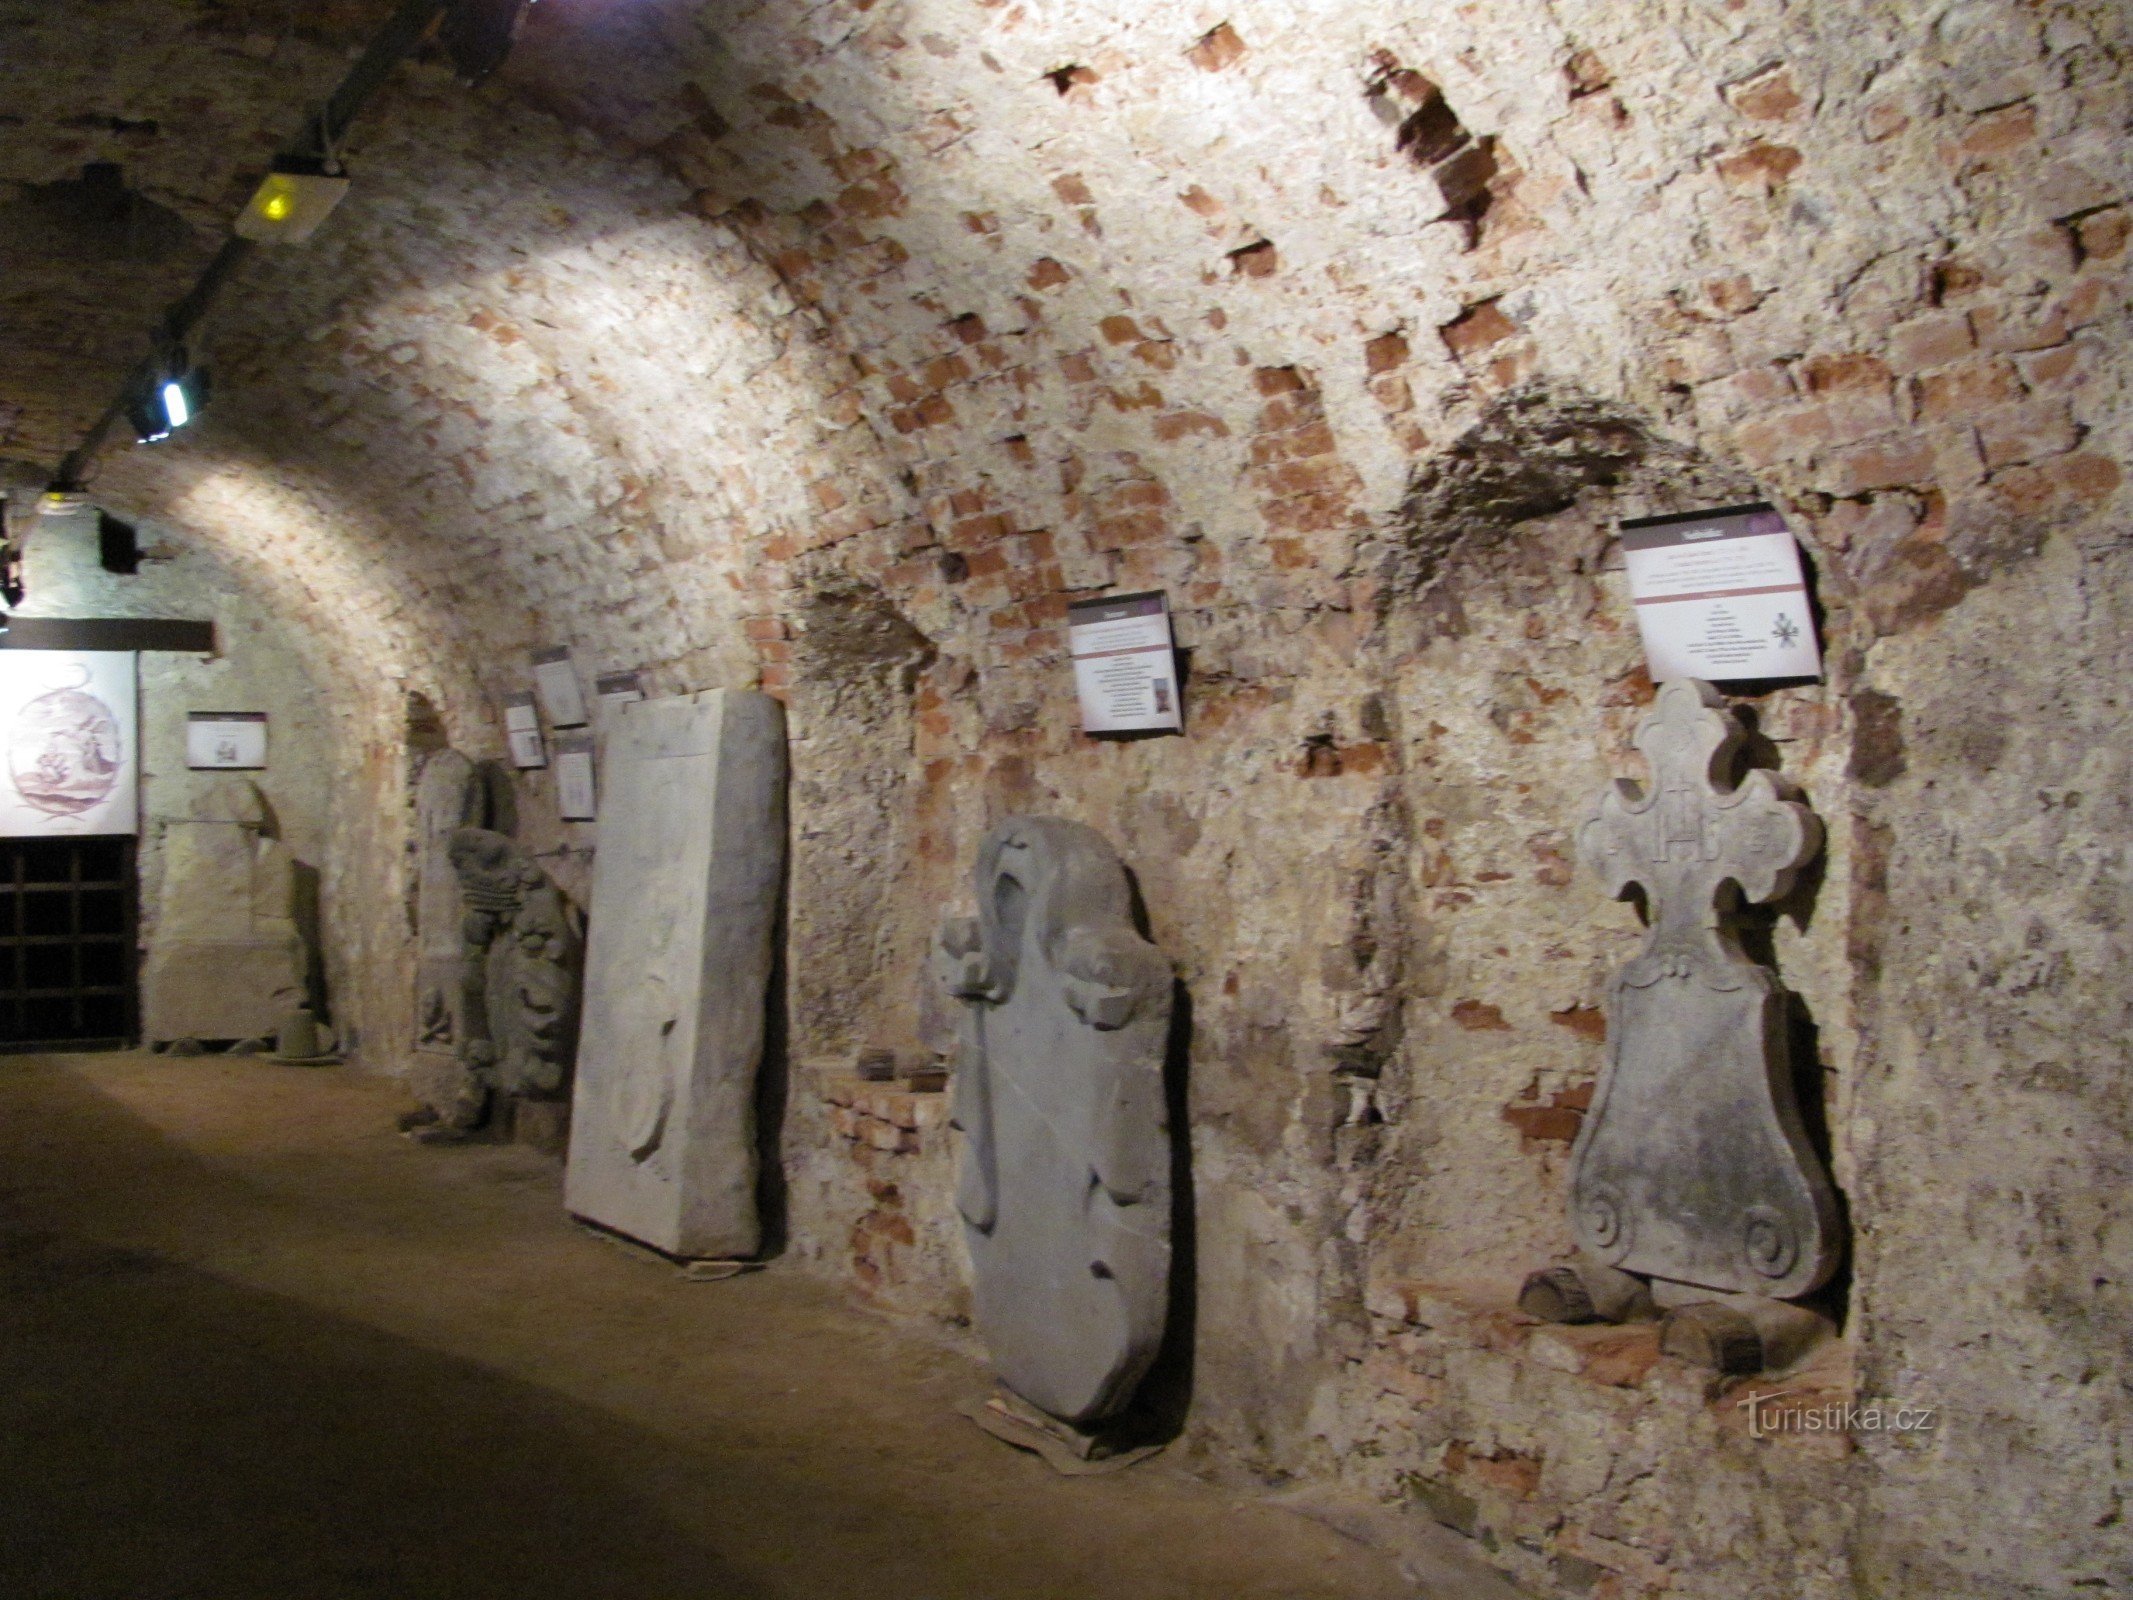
288, 207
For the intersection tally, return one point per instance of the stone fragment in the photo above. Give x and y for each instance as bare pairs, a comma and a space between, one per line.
227, 960
1064, 1188
1712, 1334
449, 796
1692, 1165
1585, 1292
1743, 1334
519, 969
684, 909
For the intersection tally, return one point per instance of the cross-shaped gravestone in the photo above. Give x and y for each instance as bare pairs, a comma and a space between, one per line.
1692, 1165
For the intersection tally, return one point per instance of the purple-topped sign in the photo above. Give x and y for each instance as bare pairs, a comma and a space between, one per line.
1720, 595
1125, 666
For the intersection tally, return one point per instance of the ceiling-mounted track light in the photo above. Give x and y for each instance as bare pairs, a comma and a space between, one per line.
478, 33
160, 396
289, 204
173, 396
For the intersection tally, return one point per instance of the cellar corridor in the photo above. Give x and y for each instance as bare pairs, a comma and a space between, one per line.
254, 1344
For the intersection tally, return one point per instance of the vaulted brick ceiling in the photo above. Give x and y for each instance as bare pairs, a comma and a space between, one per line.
982, 303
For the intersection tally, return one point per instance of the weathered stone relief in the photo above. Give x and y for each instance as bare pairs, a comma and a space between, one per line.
684, 912
1693, 1167
517, 1004
519, 975
228, 961
1064, 1187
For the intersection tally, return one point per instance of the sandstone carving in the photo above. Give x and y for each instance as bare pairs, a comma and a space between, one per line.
1065, 1182
684, 915
227, 960
1693, 1166
519, 969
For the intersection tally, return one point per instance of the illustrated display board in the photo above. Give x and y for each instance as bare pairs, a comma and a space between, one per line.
1125, 666
69, 720
522, 729
1720, 595
677, 974
574, 776
557, 680
225, 741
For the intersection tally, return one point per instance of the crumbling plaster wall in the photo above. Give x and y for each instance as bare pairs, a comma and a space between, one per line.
1353, 329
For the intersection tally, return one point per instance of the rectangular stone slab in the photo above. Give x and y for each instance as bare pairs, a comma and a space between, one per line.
684, 910
222, 988
226, 961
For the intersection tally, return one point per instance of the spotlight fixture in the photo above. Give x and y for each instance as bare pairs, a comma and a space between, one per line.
118, 545
478, 35
289, 204
172, 397
62, 499
11, 589
298, 195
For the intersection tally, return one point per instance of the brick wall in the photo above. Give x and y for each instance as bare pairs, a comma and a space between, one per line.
839, 352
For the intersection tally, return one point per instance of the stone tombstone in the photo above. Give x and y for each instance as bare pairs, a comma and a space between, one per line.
1064, 1188
449, 795
227, 960
685, 890
1693, 1166
519, 961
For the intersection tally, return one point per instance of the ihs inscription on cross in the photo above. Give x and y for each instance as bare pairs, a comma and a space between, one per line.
1692, 833
1692, 1165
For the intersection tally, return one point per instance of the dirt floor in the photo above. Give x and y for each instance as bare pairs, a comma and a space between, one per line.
253, 1343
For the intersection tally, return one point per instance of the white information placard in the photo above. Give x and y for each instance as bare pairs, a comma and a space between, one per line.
225, 741
556, 678
612, 691
618, 689
1125, 663
522, 731
69, 722
574, 777
1721, 595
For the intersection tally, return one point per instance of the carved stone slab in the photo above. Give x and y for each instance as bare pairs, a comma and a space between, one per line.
1693, 1165
449, 796
227, 961
684, 912
1065, 1182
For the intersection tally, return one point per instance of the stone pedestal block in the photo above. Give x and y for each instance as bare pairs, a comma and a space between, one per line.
684, 912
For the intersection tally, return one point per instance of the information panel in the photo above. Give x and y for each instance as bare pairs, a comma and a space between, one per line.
557, 680
232, 741
574, 777
1720, 595
522, 729
1125, 664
